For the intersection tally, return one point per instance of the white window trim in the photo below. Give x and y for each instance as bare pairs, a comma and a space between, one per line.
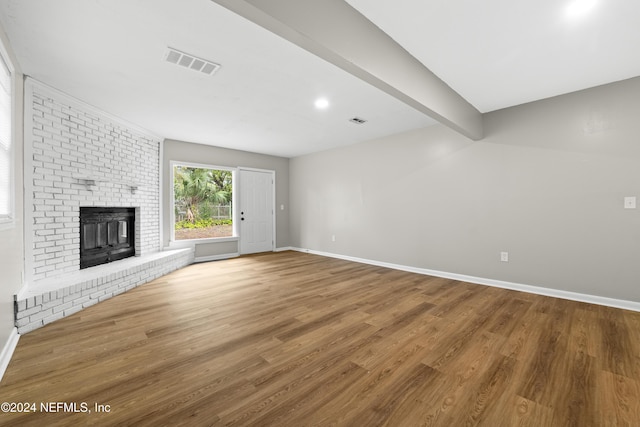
172, 214
10, 221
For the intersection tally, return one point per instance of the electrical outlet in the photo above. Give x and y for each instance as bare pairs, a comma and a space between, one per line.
333, 237
630, 202
504, 256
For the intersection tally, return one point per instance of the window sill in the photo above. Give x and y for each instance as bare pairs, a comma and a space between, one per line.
187, 243
7, 224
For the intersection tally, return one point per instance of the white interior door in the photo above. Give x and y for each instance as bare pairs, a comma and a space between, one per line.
256, 211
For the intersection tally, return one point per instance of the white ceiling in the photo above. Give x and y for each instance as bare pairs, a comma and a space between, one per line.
501, 53
495, 53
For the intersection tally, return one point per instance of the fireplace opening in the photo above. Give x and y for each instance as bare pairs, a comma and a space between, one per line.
106, 234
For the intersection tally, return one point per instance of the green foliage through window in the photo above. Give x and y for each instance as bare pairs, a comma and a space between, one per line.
202, 202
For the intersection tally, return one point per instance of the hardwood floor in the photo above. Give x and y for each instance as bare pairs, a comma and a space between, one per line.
292, 339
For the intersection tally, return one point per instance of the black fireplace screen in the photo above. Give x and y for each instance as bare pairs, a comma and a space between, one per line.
106, 234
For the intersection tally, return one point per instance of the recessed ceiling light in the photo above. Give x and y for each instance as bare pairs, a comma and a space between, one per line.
579, 8
321, 103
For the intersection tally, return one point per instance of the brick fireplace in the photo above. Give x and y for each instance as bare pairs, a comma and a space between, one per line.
82, 158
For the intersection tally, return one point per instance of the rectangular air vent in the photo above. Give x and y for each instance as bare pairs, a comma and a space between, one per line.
357, 120
192, 62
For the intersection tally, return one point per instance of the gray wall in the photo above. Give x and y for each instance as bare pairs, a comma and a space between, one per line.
197, 153
11, 240
546, 184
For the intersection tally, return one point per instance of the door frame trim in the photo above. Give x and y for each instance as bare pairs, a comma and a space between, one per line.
273, 203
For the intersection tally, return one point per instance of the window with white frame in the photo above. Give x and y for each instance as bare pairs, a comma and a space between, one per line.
6, 146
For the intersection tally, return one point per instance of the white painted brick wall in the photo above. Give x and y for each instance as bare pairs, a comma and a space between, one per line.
67, 143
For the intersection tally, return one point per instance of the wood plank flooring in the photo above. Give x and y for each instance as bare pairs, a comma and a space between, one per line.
292, 339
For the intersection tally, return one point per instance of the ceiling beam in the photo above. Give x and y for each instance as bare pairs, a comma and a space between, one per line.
338, 33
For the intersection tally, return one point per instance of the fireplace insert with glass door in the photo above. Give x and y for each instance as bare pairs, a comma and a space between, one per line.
106, 234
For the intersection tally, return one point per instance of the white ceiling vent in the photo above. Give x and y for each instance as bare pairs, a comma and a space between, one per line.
189, 61
357, 120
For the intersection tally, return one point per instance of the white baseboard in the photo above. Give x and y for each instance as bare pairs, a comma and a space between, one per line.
556, 293
285, 248
216, 257
7, 351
